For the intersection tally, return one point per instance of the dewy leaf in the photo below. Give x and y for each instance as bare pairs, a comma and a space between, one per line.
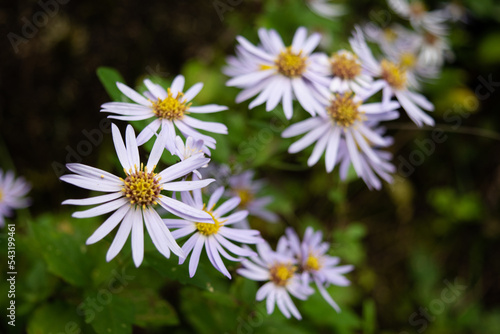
108, 313
109, 77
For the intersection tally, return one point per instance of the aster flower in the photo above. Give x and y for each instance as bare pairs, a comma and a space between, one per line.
246, 189
316, 265
278, 73
326, 9
134, 198
418, 15
279, 271
433, 49
369, 170
347, 72
12, 194
215, 235
191, 148
170, 109
346, 118
393, 82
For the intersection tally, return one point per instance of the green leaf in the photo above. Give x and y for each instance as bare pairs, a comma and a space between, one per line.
150, 309
108, 313
54, 319
109, 77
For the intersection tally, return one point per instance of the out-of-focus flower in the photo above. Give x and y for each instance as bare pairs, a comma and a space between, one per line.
247, 190
12, 194
316, 265
347, 72
418, 15
279, 271
190, 149
278, 73
393, 82
326, 8
170, 109
134, 198
214, 236
347, 120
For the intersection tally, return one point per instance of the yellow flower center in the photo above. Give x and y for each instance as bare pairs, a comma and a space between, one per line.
312, 263
245, 195
1, 195
344, 111
291, 64
280, 273
407, 60
171, 107
394, 75
345, 65
140, 187
209, 228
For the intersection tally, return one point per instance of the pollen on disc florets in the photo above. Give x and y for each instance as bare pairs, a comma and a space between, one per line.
394, 75
281, 273
344, 111
345, 65
141, 187
171, 107
209, 228
312, 263
291, 64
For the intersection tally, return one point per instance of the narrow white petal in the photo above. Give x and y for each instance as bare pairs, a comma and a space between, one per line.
108, 225
101, 209
132, 94
121, 236
93, 200
137, 237
121, 151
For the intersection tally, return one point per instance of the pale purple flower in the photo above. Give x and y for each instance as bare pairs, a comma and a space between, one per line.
279, 271
316, 265
243, 186
326, 8
134, 198
170, 109
278, 73
347, 118
12, 194
419, 17
215, 236
393, 82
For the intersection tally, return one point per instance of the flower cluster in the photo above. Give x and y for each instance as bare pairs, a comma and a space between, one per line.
340, 92
291, 268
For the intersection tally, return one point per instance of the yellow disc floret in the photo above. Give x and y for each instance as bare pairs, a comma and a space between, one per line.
312, 263
209, 228
1, 195
407, 60
345, 65
280, 273
140, 187
344, 111
171, 107
245, 195
394, 75
291, 64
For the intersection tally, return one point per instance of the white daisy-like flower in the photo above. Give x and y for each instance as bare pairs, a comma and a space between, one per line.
326, 8
346, 118
279, 270
316, 265
134, 197
418, 15
347, 72
368, 170
393, 82
278, 73
433, 49
243, 186
12, 194
190, 149
170, 108
214, 236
